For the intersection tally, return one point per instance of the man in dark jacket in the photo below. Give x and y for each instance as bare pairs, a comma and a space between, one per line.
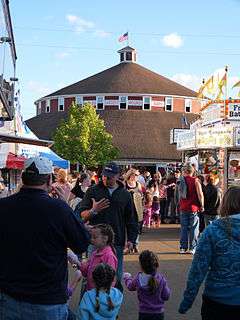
109, 202
213, 197
35, 232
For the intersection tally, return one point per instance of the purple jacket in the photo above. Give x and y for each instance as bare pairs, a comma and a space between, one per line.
148, 302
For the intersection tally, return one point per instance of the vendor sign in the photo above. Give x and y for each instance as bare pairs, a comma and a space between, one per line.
216, 137
213, 113
234, 111
186, 140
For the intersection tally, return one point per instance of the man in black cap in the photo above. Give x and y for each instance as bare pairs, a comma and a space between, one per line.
109, 202
35, 232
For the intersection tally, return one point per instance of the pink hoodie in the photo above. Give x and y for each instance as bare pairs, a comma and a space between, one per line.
105, 255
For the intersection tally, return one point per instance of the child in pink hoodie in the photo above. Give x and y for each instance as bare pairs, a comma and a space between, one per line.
102, 240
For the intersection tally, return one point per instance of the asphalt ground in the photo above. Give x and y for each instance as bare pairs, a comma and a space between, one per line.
165, 243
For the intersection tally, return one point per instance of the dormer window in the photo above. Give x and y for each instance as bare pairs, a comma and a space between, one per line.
168, 104
47, 109
100, 103
127, 54
123, 103
61, 104
146, 103
79, 100
188, 105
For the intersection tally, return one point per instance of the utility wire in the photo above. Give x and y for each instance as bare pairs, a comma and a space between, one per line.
145, 51
62, 29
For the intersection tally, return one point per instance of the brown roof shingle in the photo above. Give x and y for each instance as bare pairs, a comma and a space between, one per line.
126, 78
138, 134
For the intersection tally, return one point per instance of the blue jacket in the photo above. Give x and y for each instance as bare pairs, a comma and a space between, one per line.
86, 309
217, 257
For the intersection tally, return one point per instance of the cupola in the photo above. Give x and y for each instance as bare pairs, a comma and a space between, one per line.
128, 54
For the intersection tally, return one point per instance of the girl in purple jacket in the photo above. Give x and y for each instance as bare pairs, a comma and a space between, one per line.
151, 287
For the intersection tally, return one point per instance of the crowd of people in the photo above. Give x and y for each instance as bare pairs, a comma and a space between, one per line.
90, 222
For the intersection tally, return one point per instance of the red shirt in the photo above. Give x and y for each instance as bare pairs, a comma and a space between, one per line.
191, 203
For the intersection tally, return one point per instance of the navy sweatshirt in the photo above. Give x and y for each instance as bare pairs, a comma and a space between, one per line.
35, 232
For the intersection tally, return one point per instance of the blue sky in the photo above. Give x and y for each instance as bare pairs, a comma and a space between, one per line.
61, 42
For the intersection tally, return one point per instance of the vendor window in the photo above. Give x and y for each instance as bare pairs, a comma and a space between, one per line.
168, 104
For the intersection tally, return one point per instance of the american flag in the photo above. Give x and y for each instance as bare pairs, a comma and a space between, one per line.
123, 37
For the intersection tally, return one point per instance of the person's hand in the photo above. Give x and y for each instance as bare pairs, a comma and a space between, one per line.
100, 205
72, 258
59, 191
126, 275
130, 246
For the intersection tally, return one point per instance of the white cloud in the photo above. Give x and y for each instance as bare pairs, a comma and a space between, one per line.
38, 88
79, 24
172, 40
190, 81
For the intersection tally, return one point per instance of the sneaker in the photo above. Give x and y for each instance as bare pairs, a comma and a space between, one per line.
192, 251
182, 251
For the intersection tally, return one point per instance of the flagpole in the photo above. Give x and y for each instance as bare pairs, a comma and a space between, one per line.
226, 93
128, 38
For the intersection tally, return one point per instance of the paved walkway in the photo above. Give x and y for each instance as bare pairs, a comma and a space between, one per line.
164, 242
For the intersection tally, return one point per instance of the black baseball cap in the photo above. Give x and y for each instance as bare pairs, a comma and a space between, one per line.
111, 169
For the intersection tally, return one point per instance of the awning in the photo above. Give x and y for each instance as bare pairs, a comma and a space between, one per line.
24, 140
15, 162
56, 160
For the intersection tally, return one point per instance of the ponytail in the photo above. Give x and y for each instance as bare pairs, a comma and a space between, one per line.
153, 284
110, 303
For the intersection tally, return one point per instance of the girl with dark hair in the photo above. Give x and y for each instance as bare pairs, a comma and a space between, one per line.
102, 240
217, 259
102, 302
79, 190
151, 287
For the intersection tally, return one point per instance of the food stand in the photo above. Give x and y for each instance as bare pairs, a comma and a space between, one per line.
215, 140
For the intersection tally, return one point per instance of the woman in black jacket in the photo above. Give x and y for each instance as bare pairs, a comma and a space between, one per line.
212, 199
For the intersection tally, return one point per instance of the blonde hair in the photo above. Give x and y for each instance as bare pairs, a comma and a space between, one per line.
62, 176
129, 173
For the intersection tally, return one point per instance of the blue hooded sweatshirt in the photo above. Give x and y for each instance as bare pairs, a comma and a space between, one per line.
217, 257
87, 307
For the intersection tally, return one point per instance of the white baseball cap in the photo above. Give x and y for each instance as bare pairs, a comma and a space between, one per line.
38, 165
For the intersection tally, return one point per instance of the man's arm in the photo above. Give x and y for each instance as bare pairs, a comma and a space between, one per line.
89, 206
76, 235
199, 193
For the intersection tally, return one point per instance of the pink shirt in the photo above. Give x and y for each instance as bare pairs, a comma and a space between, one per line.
106, 255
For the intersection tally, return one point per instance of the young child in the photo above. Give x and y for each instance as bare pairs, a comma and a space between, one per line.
147, 213
102, 240
156, 212
102, 302
151, 287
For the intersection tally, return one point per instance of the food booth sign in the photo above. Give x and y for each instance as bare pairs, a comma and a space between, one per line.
213, 113
218, 137
186, 140
234, 111
174, 134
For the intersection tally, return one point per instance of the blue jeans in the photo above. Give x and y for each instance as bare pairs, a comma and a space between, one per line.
189, 230
11, 309
208, 219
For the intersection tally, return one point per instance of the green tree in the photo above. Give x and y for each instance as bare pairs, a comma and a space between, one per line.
82, 138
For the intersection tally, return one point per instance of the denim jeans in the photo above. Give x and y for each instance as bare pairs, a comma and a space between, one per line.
208, 219
189, 230
11, 309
